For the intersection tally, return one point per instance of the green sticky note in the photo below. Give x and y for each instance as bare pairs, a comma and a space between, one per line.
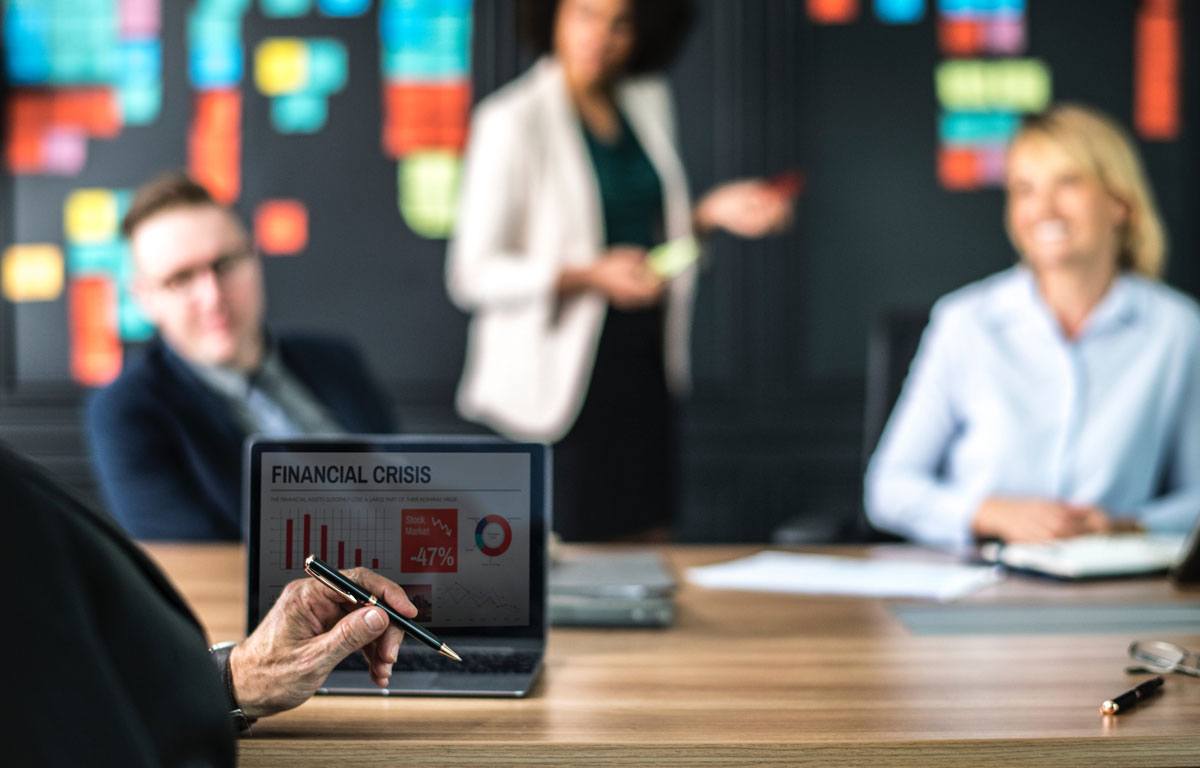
674, 257
428, 187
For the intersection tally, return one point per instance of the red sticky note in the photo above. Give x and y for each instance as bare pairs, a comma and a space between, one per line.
281, 227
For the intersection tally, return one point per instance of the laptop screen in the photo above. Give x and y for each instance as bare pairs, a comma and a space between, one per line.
460, 524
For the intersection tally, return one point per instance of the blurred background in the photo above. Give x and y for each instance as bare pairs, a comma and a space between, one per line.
336, 127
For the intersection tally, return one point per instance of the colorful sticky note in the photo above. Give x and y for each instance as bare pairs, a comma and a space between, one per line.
428, 191
423, 116
90, 216
95, 346
140, 18
343, 8
832, 11
328, 65
673, 257
281, 227
285, 9
281, 66
64, 151
96, 258
32, 272
900, 11
299, 112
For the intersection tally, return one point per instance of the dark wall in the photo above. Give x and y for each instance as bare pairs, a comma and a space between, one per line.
773, 428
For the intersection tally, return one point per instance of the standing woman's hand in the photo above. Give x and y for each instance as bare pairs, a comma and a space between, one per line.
621, 274
749, 208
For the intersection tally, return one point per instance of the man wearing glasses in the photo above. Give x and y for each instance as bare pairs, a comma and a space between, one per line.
167, 435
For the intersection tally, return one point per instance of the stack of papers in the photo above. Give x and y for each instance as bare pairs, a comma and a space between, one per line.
829, 575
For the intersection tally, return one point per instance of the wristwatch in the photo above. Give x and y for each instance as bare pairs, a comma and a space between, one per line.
220, 656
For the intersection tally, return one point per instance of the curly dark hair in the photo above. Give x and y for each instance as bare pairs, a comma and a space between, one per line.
660, 28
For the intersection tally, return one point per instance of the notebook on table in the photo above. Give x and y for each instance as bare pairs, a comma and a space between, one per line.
1093, 556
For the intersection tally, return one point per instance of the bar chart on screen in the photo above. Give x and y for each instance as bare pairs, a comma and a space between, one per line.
452, 529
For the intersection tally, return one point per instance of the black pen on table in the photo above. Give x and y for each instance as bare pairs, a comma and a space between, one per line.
1131, 697
324, 573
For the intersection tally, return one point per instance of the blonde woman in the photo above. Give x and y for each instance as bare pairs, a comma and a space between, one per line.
1061, 396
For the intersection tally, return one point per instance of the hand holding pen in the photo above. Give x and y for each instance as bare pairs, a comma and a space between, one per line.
307, 633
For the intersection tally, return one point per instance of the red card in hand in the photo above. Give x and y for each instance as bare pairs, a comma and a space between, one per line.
788, 184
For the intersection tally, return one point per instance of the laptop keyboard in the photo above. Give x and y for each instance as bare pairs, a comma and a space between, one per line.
474, 662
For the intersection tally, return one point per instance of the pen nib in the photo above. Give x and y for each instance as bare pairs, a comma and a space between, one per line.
448, 652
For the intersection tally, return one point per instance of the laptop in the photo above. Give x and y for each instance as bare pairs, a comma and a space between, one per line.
460, 522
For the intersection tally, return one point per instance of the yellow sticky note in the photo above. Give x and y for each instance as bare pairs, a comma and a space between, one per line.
281, 66
33, 272
673, 257
90, 216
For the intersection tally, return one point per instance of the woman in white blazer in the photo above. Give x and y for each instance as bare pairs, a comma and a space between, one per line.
571, 175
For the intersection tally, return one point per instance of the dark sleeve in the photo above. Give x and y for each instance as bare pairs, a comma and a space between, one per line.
147, 480
87, 689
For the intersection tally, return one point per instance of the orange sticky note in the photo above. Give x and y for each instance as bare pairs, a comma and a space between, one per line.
958, 168
281, 227
95, 347
832, 11
422, 116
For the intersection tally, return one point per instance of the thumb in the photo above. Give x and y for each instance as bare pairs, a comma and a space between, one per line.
353, 631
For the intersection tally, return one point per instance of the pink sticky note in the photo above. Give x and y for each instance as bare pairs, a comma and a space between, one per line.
140, 18
1005, 34
64, 151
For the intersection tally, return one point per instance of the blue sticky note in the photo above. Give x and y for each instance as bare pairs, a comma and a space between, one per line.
230, 9
328, 65
977, 128
95, 258
141, 61
285, 9
215, 66
342, 8
299, 112
141, 102
899, 11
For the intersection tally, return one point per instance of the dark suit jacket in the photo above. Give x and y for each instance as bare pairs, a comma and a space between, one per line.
106, 664
168, 450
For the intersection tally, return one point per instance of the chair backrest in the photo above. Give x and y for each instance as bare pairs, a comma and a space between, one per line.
891, 346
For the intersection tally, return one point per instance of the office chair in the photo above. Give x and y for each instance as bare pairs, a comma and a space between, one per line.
891, 346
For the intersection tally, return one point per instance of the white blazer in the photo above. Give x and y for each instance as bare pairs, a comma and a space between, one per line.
530, 205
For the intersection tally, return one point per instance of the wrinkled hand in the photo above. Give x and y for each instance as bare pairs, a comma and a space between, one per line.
306, 634
1034, 520
750, 208
625, 279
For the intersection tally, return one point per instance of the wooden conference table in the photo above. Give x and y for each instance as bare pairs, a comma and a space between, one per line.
747, 678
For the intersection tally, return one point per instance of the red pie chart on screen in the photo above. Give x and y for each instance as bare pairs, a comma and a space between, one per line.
493, 535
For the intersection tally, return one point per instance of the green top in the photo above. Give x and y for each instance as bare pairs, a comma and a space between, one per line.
630, 192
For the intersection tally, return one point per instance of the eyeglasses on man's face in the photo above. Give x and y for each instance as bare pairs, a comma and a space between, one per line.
183, 281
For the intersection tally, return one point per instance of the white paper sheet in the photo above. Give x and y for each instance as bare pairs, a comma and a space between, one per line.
830, 575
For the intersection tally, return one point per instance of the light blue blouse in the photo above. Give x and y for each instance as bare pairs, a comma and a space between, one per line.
998, 402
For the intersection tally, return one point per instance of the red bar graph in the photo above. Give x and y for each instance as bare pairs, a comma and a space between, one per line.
287, 546
360, 553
